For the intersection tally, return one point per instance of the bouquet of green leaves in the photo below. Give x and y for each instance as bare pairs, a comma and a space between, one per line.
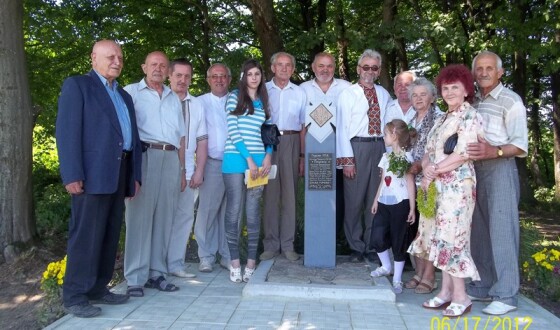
426, 201
398, 164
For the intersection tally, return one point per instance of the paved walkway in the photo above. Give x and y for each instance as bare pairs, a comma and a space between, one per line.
211, 301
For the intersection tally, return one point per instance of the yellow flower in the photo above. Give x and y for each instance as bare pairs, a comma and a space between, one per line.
525, 264
539, 256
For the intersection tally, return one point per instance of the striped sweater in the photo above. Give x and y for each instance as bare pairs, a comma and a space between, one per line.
244, 137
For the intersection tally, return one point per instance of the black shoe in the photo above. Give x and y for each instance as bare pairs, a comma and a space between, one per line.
83, 309
372, 257
356, 257
111, 299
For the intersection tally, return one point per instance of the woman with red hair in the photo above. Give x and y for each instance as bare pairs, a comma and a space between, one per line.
447, 164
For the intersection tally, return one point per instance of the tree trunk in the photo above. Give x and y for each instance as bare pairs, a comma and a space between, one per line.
555, 86
314, 16
389, 7
342, 44
535, 130
555, 91
519, 86
266, 27
16, 126
206, 28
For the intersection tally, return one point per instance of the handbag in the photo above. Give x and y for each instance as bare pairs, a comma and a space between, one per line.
270, 135
450, 144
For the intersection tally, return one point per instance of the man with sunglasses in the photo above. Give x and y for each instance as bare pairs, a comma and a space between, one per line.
361, 116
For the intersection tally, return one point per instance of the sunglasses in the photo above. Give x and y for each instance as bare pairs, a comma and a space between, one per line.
366, 68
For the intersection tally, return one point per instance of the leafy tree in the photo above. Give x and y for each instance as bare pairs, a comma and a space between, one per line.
422, 36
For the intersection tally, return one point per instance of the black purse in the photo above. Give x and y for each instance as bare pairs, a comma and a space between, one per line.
450, 144
270, 135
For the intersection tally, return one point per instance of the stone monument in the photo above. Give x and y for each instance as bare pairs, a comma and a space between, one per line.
320, 184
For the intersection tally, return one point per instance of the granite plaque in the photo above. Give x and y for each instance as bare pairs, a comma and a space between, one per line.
320, 171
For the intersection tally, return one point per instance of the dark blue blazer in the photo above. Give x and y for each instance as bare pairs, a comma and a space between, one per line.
89, 137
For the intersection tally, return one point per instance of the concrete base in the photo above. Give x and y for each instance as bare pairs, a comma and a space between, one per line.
379, 290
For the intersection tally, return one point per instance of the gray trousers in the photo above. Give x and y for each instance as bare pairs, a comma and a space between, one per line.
359, 194
238, 196
149, 217
279, 221
181, 230
209, 228
495, 231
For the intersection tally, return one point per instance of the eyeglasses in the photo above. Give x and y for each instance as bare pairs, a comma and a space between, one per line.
366, 68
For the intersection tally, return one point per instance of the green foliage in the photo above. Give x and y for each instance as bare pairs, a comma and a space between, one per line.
53, 211
540, 260
52, 202
59, 36
543, 194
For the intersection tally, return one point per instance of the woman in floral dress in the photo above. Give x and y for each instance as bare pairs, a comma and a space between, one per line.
455, 180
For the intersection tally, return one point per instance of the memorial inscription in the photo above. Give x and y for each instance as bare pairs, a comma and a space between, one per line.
320, 171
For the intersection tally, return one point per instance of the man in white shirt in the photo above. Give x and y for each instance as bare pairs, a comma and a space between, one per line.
362, 113
402, 102
196, 142
324, 88
209, 228
287, 107
149, 216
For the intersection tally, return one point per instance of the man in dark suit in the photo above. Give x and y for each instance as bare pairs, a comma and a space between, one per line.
100, 154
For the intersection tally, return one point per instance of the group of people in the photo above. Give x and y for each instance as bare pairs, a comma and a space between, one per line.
144, 150
467, 154
150, 147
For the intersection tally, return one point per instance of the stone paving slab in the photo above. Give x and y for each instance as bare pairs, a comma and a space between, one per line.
211, 301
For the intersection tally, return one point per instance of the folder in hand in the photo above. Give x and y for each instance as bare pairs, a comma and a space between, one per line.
260, 181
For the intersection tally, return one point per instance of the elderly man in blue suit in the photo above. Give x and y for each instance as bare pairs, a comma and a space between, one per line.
100, 163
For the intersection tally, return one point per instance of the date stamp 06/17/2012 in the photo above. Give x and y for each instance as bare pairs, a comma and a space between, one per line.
481, 323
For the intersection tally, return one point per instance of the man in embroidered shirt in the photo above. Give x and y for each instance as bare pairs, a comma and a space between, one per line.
209, 228
402, 102
324, 88
196, 141
149, 216
496, 217
287, 103
361, 117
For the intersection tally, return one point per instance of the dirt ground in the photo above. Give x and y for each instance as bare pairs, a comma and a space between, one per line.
20, 289
21, 296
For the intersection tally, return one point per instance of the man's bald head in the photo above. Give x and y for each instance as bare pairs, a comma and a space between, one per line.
156, 68
107, 59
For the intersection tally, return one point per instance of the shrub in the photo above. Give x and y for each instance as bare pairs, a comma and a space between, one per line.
52, 210
543, 268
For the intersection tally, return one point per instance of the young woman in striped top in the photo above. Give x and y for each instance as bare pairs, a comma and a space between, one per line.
247, 109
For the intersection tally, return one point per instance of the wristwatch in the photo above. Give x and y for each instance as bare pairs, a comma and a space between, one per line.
500, 151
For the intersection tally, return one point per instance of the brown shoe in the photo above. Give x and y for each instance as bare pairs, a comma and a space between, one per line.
413, 282
425, 287
291, 255
266, 255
